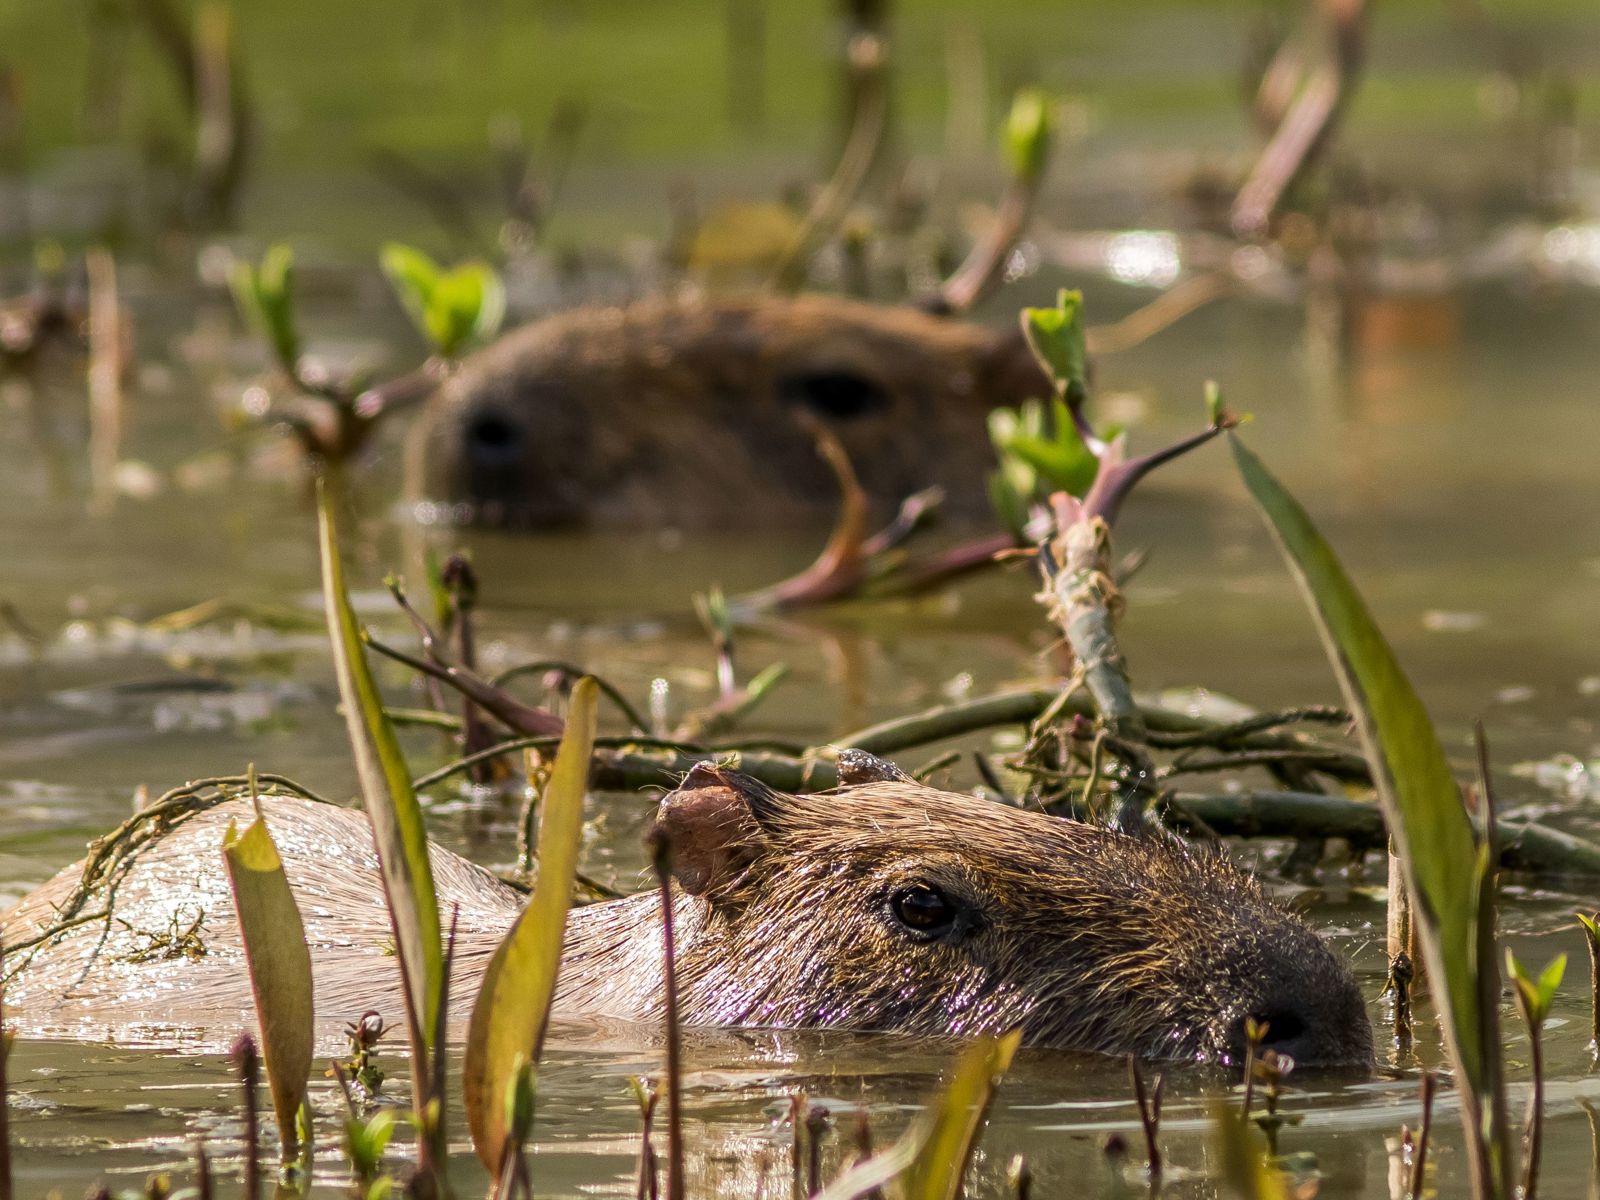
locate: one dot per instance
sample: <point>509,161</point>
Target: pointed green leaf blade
<point>1027,136</point>
<point>280,969</point>
<point>386,792</point>
<point>1056,337</point>
<point>1241,1154</point>
<point>953,1124</point>
<point>1421,801</point>
<point>512,1010</point>
<point>414,277</point>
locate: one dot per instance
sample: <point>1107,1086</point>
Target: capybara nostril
<point>493,440</point>
<point>1286,1030</point>
<point>1325,1030</point>
<point>837,395</point>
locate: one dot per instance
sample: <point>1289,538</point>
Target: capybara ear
<point>857,766</point>
<point>713,824</point>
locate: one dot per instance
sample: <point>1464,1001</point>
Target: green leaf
<point>1550,979</point>
<point>280,969</point>
<point>386,792</point>
<point>1591,925</point>
<point>512,1010</point>
<point>1214,405</point>
<point>1028,134</point>
<point>365,1141</point>
<point>467,306</point>
<point>450,308</point>
<point>1056,337</point>
<point>930,1159</point>
<point>264,296</point>
<point>1241,1154</point>
<point>412,274</point>
<point>1537,994</point>
<point>1009,504</point>
<point>1041,460</point>
<point>953,1123</point>
<point>1421,801</point>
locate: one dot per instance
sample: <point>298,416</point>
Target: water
<point>1457,480</point>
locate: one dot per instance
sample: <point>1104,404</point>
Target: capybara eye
<point>923,909</point>
<point>837,395</point>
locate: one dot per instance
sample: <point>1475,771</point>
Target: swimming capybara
<point>695,412</point>
<point>881,905</point>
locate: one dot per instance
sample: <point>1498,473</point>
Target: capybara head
<point>888,905</point>
<point>703,412</point>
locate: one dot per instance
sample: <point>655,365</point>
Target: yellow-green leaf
<point>1057,339</point>
<point>450,308</point>
<point>1241,1155</point>
<point>386,792</point>
<point>265,299</point>
<point>513,1005</point>
<point>1028,134</point>
<point>929,1160</point>
<point>412,274</point>
<point>953,1123</point>
<point>280,969</point>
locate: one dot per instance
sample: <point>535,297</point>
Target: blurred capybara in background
<point>693,412</point>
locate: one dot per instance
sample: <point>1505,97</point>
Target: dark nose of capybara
<point>1331,1030</point>
<point>493,441</point>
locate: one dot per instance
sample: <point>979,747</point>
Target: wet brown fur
<point>1087,939</point>
<point>685,411</point>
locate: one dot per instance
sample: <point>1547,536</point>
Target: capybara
<point>699,412</point>
<point>882,905</point>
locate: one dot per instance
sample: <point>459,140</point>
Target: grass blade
<point>953,1124</point>
<point>1241,1156</point>
<point>930,1159</point>
<point>390,802</point>
<point>1422,806</point>
<point>280,969</point>
<point>513,1006</point>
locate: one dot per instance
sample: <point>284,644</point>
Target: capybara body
<point>699,412</point>
<point>879,906</point>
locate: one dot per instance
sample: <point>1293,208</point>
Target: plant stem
<point>660,846</point>
<point>248,1064</point>
<point>6,1192</point>
<point>1149,1118</point>
<point>1534,1138</point>
<point>1419,1161</point>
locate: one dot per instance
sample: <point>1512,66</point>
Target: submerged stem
<point>660,846</point>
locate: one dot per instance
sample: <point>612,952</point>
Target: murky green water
<point>1457,480</point>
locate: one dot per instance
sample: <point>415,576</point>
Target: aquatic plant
<point>451,308</point>
<point>930,1159</point>
<point>1533,995</point>
<point>512,1009</point>
<point>280,968</point>
<point>332,415</point>
<point>1451,881</point>
<point>397,827</point>
<point>1026,140</point>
